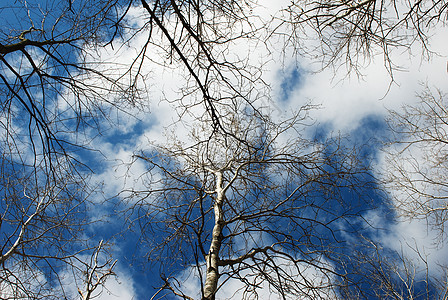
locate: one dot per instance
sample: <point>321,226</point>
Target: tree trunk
<point>211,281</point>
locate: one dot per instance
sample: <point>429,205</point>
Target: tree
<point>388,274</point>
<point>41,235</point>
<point>49,83</point>
<point>47,99</point>
<point>413,175</point>
<point>54,89</point>
<point>417,159</point>
<point>353,31</point>
<point>263,206</point>
<point>350,33</point>
<point>196,37</point>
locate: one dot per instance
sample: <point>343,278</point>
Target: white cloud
<point>414,241</point>
<point>346,100</point>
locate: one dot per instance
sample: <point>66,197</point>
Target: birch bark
<point>212,258</point>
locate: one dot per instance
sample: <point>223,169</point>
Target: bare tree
<point>57,76</point>
<point>252,199</point>
<point>197,37</point>
<point>44,68</point>
<point>416,166</point>
<point>414,177</point>
<point>53,88</point>
<point>48,96</point>
<point>387,274</point>
<point>41,233</point>
<point>349,33</point>
<point>264,208</point>
<point>96,272</point>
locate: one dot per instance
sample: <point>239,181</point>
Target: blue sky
<point>355,107</point>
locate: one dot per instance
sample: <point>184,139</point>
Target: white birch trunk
<point>212,275</point>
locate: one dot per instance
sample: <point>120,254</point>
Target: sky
<point>356,106</point>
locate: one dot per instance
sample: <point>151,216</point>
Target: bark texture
<point>212,276</point>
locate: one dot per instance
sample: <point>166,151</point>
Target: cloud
<point>346,100</point>
<point>414,241</point>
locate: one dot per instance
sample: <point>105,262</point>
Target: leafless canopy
<point>350,32</point>
<point>46,78</point>
<point>261,209</point>
<point>417,159</point>
<point>196,36</point>
<point>45,100</point>
<point>246,197</point>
